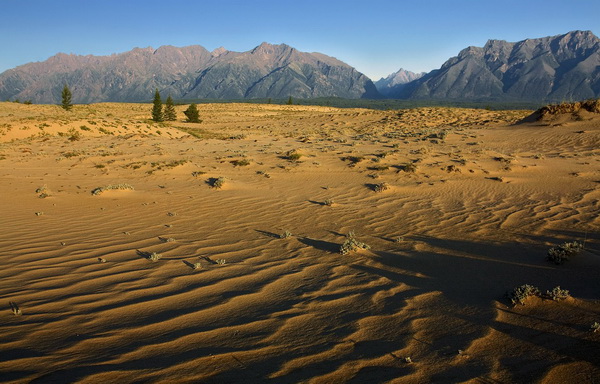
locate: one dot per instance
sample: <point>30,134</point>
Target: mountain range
<point>563,67</point>
<point>556,68</point>
<point>192,72</point>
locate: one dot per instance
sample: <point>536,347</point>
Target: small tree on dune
<point>157,112</point>
<point>192,113</point>
<point>169,113</point>
<point>66,98</point>
<point>290,102</point>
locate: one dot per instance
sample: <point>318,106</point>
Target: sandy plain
<point>471,204</point>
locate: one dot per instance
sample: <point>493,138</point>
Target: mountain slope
<point>190,72</point>
<point>563,67</point>
<point>400,77</point>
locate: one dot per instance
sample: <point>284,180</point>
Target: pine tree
<point>169,113</point>
<point>157,112</point>
<point>66,98</point>
<point>290,102</point>
<point>192,113</point>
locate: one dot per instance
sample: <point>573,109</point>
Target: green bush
<point>352,244</point>
<point>561,253</point>
<point>521,293</point>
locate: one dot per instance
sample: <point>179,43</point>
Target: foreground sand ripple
<point>424,304</point>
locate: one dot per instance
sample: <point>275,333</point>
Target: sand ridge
<point>470,206</point>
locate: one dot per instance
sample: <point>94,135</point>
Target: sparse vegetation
<point>353,160</point>
<point>563,252</point>
<point>43,192</point>
<point>409,167</point>
<point>285,235</point>
<point>14,307</point>
<point>216,182</point>
<point>380,187</point>
<point>152,256</point>
<point>521,293</point>
<point>595,327</point>
<point>351,244</point>
<point>122,186</point>
<point>557,294</point>
<point>240,163</point>
<point>293,155</point>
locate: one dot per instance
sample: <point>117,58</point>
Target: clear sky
<point>377,37</point>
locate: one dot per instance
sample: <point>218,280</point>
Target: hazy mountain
<point>402,76</point>
<point>276,71</point>
<point>564,67</point>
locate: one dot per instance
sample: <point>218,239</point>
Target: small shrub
<point>353,160</point>
<point>328,202</point>
<point>561,253</point>
<point>240,163</point>
<point>381,187</point>
<point>154,256</point>
<point>557,294</point>
<point>216,182</point>
<point>39,213</point>
<point>101,260</point>
<point>595,327</point>
<point>221,261</point>
<point>285,235</point>
<point>197,265</point>
<point>43,192</point>
<point>521,293</point>
<point>379,168</point>
<point>15,308</point>
<point>85,128</point>
<point>409,167</point>
<point>352,244</point>
<point>293,155</point>
<point>122,186</point>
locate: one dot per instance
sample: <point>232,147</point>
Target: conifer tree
<point>290,102</point>
<point>66,98</point>
<point>169,113</point>
<point>157,112</point>
<point>192,113</point>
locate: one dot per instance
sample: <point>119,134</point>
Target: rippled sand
<point>424,304</point>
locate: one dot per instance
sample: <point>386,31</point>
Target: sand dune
<point>471,204</point>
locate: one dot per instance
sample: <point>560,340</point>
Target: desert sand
<point>457,206</point>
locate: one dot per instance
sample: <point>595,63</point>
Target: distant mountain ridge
<point>400,77</point>
<point>276,71</point>
<point>556,68</point>
<point>548,69</point>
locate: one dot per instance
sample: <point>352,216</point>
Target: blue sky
<point>377,37</point>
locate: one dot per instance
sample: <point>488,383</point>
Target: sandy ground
<point>470,205</point>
